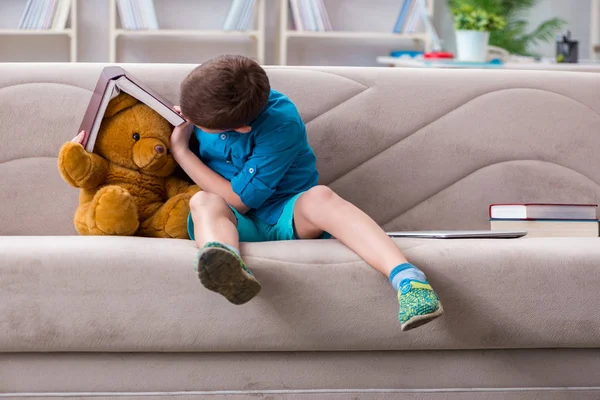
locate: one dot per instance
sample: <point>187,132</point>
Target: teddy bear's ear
<point>120,103</point>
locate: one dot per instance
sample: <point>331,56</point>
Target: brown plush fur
<point>126,184</point>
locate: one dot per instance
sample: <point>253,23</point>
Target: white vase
<point>472,45</point>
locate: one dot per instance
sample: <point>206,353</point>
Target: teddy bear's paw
<point>74,163</point>
<point>114,212</point>
<point>176,224</point>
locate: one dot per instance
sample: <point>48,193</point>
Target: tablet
<point>460,234</point>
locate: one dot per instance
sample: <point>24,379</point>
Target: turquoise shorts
<point>251,229</point>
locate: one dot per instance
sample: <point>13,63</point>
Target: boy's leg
<point>219,265</point>
<point>320,209</point>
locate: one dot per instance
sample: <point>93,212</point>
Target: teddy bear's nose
<point>159,149</point>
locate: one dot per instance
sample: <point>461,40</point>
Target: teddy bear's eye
<point>136,136</point>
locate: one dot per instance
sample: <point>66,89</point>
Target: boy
<point>259,180</point>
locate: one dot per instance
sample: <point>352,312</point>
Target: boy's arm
<point>203,176</point>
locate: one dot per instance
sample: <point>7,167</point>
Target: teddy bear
<point>128,186</point>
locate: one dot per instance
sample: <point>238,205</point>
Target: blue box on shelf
<point>406,53</point>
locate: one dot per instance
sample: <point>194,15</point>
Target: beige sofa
<point>124,317</point>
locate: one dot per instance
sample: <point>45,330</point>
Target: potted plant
<point>515,37</point>
<point>473,26</point>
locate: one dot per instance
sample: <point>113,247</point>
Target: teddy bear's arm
<point>79,168</point>
<point>175,186</point>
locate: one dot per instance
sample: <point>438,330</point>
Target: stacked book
<point>45,14</point>
<point>310,15</point>
<point>411,16</point>
<point>137,14</point>
<point>546,220</point>
<point>239,17</point>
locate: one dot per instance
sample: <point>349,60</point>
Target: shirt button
<point>223,136</point>
<point>251,170</point>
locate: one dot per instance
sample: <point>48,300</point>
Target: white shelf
<point>25,32</point>
<point>355,35</point>
<point>70,32</point>
<point>208,34</point>
<point>286,34</point>
<point>257,34</point>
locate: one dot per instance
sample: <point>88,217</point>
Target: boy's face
<point>242,129</point>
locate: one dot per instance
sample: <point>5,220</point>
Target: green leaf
<point>546,31</point>
<point>510,31</point>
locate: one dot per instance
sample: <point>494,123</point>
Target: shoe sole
<point>220,271</point>
<point>419,320</point>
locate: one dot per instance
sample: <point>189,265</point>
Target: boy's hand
<point>180,138</point>
<point>80,138</point>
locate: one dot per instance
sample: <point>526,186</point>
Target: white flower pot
<point>472,45</point>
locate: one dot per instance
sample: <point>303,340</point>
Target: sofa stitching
<point>426,125</point>
<point>46,83</point>
<point>336,106</point>
<point>327,73</point>
<point>477,170</point>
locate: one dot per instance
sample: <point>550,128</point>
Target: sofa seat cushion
<point>129,294</point>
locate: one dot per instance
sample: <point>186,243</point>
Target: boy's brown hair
<point>224,93</point>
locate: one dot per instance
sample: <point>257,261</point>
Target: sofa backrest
<point>416,149</point>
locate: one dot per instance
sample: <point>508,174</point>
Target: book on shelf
<point>240,14</point>
<point>530,211</point>
<point>412,16</point>
<point>112,81</point>
<point>137,14</point>
<point>45,14</point>
<point>309,15</point>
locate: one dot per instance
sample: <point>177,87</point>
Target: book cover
<point>298,23</point>
<point>112,80</point>
<point>150,14</point>
<point>25,14</point>
<point>62,14</point>
<point>233,15</point>
<point>324,15</point>
<point>316,13</point>
<point>244,22</point>
<point>402,16</point>
<point>37,12</point>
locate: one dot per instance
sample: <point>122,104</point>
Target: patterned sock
<point>223,246</point>
<point>405,271</point>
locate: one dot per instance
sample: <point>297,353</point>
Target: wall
<point>376,15</point>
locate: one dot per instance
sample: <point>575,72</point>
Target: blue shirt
<point>267,166</point>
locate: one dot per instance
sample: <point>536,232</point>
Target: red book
<point>533,211</point>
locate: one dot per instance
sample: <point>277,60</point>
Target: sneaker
<point>221,270</point>
<point>419,304</point>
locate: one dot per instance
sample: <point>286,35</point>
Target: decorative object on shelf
<point>473,26</point>
<point>239,17</point>
<point>45,14</point>
<point>567,50</point>
<point>515,38</point>
<point>137,14</point>
<point>310,15</point>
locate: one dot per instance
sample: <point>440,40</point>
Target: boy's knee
<point>321,194</point>
<point>206,202</point>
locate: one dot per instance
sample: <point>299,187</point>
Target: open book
<point>112,81</point>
